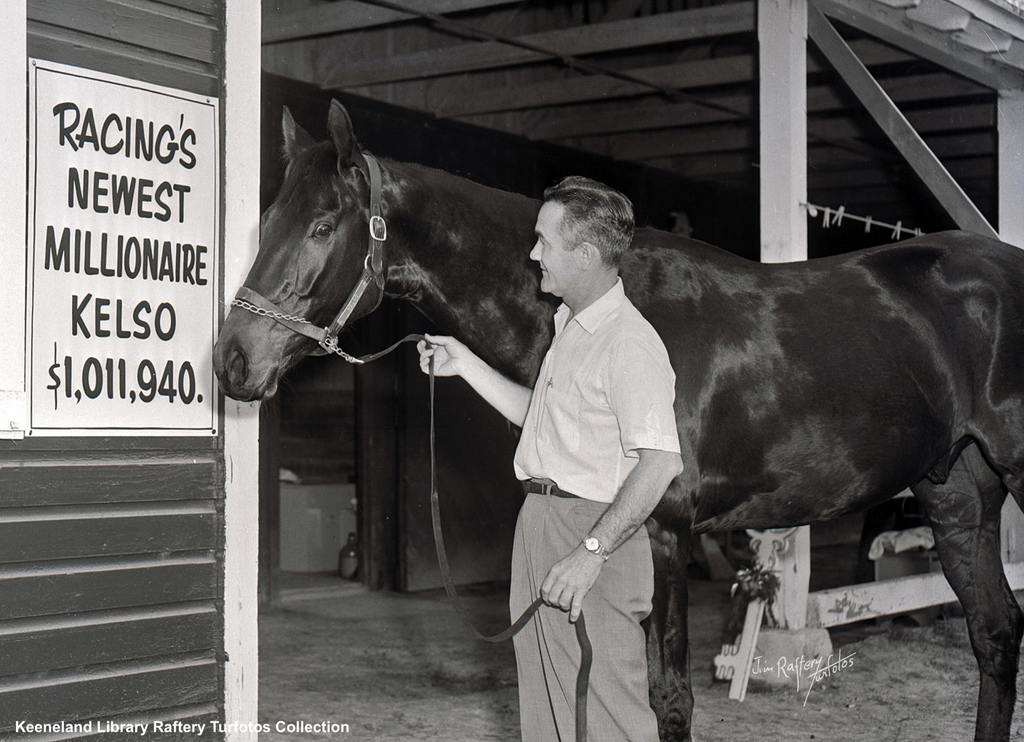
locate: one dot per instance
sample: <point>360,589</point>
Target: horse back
<point>853,376</point>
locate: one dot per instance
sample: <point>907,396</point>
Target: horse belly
<point>818,455</point>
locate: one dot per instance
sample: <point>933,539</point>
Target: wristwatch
<point>591,544</point>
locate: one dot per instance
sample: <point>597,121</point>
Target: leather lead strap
<point>586,650</point>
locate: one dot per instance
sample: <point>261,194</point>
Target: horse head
<point>314,242</point>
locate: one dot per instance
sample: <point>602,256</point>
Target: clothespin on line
<point>834,217</point>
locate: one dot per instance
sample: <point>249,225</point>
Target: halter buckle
<point>378,228</point>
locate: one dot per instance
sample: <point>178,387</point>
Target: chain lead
<point>250,307</point>
<point>330,344</point>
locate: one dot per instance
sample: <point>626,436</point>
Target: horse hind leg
<point>964,516</point>
<point>668,658</point>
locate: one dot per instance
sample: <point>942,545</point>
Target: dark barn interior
<point>657,98</point>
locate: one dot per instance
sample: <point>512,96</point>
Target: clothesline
<point>833,217</point>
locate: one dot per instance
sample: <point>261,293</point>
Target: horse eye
<point>323,230</point>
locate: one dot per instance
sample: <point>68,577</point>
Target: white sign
<point>123,255</point>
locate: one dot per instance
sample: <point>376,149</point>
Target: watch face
<point>591,544</point>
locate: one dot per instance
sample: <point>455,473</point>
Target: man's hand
<point>570,579</point>
<point>450,355</point>
<point>453,358</point>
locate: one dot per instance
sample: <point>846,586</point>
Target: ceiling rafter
<point>620,92</point>
<point>820,159</point>
<point>696,74</point>
<point>604,36</point>
<point>968,168</point>
<point>337,17</point>
<point>577,89</point>
<point>942,48</point>
<point>724,138</point>
<point>820,99</point>
<point>994,14</point>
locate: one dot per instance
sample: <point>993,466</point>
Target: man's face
<point>559,268</point>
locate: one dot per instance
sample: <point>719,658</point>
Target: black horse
<point>805,390</point>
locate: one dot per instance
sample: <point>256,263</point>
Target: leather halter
<point>373,273</point>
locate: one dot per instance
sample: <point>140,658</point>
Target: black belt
<point>546,487</point>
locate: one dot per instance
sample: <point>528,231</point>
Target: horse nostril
<point>237,367</point>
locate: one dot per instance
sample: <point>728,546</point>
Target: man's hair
<point>594,213</point>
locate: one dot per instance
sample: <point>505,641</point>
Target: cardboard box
<point>315,522</point>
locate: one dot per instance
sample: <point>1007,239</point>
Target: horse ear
<point>340,127</point>
<point>296,138</point>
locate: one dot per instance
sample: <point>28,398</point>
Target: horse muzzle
<point>237,378</point>
<point>244,358</point>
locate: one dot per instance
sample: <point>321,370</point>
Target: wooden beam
<point>1010,128</point>
<point>820,99</point>
<point>782,60</point>
<point>648,145</point>
<point>709,167</point>
<point>631,33</point>
<point>622,9</point>
<point>939,14</point>
<point>684,75</point>
<point>994,14</point>
<point>966,169</point>
<point>891,25</point>
<point>240,421</point>
<point>688,75</point>
<point>336,17</point>
<point>782,148</point>
<point>886,194</point>
<point>845,605</point>
<point>984,38</point>
<point>821,159</point>
<point>14,162</point>
<point>896,126</point>
<point>652,145</point>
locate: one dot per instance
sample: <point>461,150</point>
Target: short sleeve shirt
<point>605,390</point>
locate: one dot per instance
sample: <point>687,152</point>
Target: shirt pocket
<point>562,418</point>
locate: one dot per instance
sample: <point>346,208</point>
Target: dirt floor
<point>404,667</point>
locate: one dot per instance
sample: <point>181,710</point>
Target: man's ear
<point>586,255</point>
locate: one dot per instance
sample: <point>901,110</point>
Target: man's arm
<point>453,358</point>
<point>571,578</point>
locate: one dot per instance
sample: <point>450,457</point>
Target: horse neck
<point>460,253</point>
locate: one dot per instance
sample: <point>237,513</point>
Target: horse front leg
<point>668,656</point>
<point>964,515</point>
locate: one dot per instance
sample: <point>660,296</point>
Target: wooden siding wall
<point>111,549</point>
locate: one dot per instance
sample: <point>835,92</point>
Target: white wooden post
<point>782,44</point>
<point>241,111</point>
<point>1010,128</point>
<point>782,62</point>
<point>13,130</point>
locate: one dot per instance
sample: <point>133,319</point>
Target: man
<point>598,449</point>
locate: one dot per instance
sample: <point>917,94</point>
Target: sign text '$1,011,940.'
<point>109,377</point>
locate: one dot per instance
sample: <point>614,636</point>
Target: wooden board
<point>39,481</point>
<point>41,533</point>
<point>843,605</point>
<point>109,690</point>
<point>138,23</point>
<point>105,584</point>
<point>104,637</point>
